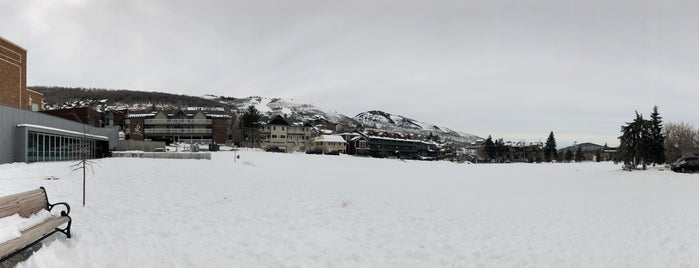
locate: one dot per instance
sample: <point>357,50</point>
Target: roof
<point>278,120</point>
<point>140,115</point>
<point>218,115</point>
<point>330,138</point>
<point>13,43</point>
<point>58,130</point>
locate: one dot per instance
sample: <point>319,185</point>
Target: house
<point>357,144</point>
<point>284,134</point>
<point>329,143</point>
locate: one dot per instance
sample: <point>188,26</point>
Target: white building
<point>329,143</point>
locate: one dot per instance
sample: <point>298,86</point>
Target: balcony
<point>177,131</point>
<point>178,121</point>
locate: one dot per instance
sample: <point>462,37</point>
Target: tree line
<point>59,95</point>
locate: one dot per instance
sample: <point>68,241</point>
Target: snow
<point>12,226</point>
<point>298,210</point>
<point>58,130</point>
<point>330,138</point>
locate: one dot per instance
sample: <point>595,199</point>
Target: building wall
<point>291,138</point>
<point>11,145</point>
<point>219,130</point>
<point>34,101</point>
<point>13,69</point>
<point>330,146</point>
<point>136,128</point>
<point>83,115</point>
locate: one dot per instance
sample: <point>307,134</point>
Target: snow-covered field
<point>297,210</point>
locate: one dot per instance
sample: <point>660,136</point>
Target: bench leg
<point>66,230</point>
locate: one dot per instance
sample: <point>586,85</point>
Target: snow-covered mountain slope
<point>398,123</point>
<point>300,111</point>
<point>105,100</point>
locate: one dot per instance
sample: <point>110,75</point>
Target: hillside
<point>587,146</point>
<point>398,123</point>
<point>106,99</point>
<point>65,97</point>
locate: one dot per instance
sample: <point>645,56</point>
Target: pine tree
<point>569,155</point>
<point>550,152</point>
<point>657,143</point>
<point>250,122</point>
<point>501,150</point>
<point>489,148</point>
<point>635,142</point>
<point>579,157</point>
<point>598,155</point>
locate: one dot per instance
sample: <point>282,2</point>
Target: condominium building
<point>197,127</point>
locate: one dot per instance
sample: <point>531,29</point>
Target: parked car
<point>333,153</point>
<point>159,150</point>
<point>315,151</point>
<point>274,149</point>
<point>687,164</point>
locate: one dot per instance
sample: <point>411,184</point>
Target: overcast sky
<point>511,68</point>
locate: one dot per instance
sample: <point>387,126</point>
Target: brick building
<point>13,78</point>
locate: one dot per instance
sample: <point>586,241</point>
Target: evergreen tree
<point>489,148</point>
<point>251,117</point>
<point>598,155</point>
<point>568,155</point>
<point>501,151</point>
<point>250,123</point>
<point>635,142</point>
<point>657,143</point>
<point>550,152</point>
<point>579,157</point>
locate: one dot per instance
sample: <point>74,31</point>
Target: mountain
<point>397,123</point>
<point>144,101</point>
<point>586,146</point>
<point>290,109</point>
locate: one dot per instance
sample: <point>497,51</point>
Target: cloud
<point>508,68</point>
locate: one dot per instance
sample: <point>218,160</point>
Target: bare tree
<point>85,162</point>
<point>680,139</point>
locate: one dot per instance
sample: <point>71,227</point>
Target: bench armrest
<point>64,212</point>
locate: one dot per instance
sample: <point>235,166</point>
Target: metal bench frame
<point>64,213</point>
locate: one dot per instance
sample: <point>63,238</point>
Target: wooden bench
<point>25,204</point>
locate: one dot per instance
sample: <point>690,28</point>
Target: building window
<point>274,136</point>
<point>283,136</point>
<point>43,147</point>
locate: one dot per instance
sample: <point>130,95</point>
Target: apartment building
<point>196,127</point>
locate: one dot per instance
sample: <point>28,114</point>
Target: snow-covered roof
<point>219,115</point>
<point>58,130</point>
<point>140,115</point>
<point>330,138</point>
<point>394,139</point>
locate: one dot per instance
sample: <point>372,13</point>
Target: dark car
<point>333,153</point>
<point>315,151</point>
<point>275,149</point>
<point>687,164</point>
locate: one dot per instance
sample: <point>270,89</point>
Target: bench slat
<point>24,204</point>
<point>32,234</point>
